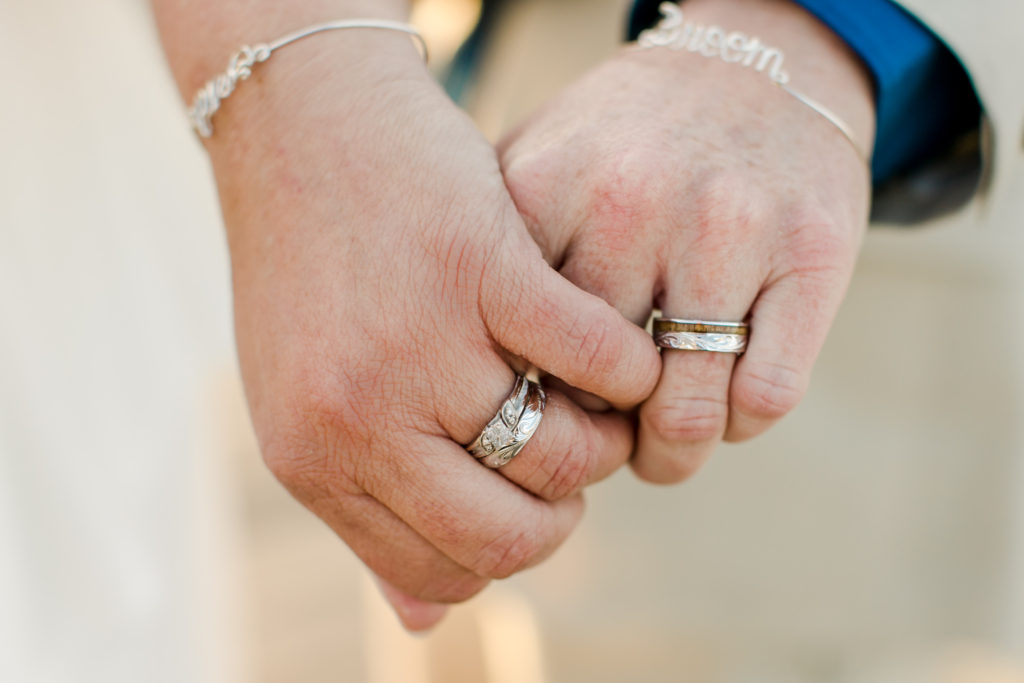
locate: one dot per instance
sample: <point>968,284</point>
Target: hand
<point>667,179</point>
<point>384,284</point>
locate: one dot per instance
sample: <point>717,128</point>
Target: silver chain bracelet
<point>734,47</point>
<point>208,99</point>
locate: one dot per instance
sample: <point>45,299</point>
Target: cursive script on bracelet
<point>735,47</point>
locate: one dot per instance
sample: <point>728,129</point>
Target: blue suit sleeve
<point>923,95</point>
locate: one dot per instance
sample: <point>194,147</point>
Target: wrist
<point>316,119</point>
<point>819,65</point>
<point>212,49</point>
<point>199,36</point>
<point>332,72</point>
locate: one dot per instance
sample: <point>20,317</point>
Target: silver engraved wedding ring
<point>509,431</point>
<point>700,335</point>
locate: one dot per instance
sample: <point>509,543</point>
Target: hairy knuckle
<point>689,420</point>
<point>768,391</point>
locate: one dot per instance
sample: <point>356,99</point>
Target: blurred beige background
<point>877,535</point>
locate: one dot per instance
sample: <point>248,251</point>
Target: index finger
<point>536,314</point>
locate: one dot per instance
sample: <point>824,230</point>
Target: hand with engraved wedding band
<point>385,288</point>
<point>680,176</point>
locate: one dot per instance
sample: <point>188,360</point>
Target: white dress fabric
<point>114,324</point>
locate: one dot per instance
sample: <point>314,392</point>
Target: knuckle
<point>689,420</point>
<point>718,192</point>
<point>619,198</point>
<point>819,242</point>
<point>511,552</point>
<point>303,460</point>
<point>571,472</point>
<point>721,198</point>
<point>291,462</point>
<point>316,435</point>
<point>527,179</point>
<point>768,391</point>
<point>719,223</point>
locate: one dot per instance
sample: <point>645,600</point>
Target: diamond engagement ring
<point>700,335</point>
<point>509,431</point>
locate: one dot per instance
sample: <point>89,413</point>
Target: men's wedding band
<point>700,335</point>
<point>515,423</point>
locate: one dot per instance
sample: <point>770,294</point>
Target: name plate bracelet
<point>209,98</point>
<point>673,32</point>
